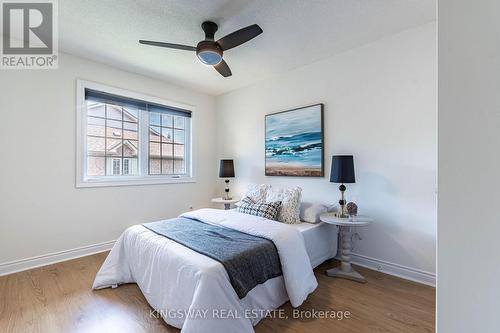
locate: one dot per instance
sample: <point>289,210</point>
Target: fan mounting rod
<point>210,29</point>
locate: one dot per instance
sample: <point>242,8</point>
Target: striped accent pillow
<point>268,210</point>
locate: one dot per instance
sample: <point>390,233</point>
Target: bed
<point>320,241</point>
<point>192,291</point>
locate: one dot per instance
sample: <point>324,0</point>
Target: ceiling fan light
<point>209,52</point>
<point>209,57</point>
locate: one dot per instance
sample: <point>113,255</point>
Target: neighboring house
<point>112,143</point>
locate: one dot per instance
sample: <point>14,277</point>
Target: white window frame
<point>144,178</point>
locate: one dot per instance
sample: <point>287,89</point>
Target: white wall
<point>468,293</point>
<point>380,106</point>
<point>41,211</point>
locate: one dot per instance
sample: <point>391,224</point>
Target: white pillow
<point>290,203</point>
<point>257,192</point>
<point>310,212</point>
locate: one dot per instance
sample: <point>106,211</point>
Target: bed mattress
<point>320,240</point>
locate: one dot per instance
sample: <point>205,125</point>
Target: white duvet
<point>192,291</point>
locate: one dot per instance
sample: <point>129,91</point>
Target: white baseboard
<point>52,258</point>
<point>390,268</point>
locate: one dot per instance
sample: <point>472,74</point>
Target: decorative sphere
<point>352,209</point>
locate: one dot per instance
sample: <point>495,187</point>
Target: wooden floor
<point>58,298</point>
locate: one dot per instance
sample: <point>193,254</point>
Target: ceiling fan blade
<point>169,45</point>
<point>239,37</point>
<point>223,68</point>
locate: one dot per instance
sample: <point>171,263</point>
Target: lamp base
<point>226,191</point>
<point>342,201</point>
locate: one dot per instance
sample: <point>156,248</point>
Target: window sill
<point>136,181</point>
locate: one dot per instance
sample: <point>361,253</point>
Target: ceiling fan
<point>210,51</point>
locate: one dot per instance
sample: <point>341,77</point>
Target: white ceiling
<point>296,33</point>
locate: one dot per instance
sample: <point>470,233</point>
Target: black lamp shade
<point>226,169</point>
<point>342,169</point>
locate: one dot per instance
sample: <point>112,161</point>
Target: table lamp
<point>226,170</point>
<point>342,173</point>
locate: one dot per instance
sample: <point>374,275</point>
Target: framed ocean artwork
<point>294,142</point>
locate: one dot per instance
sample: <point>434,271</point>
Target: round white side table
<point>227,202</point>
<point>345,227</point>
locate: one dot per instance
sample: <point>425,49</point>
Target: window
<point>126,166</point>
<point>116,166</point>
<point>112,131</point>
<point>126,138</point>
<point>166,144</point>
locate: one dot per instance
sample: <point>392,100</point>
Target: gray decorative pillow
<point>290,203</point>
<point>257,192</point>
<point>268,210</point>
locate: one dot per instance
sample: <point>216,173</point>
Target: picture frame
<point>294,142</point>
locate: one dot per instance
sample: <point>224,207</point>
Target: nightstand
<point>345,226</point>
<point>227,203</point>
